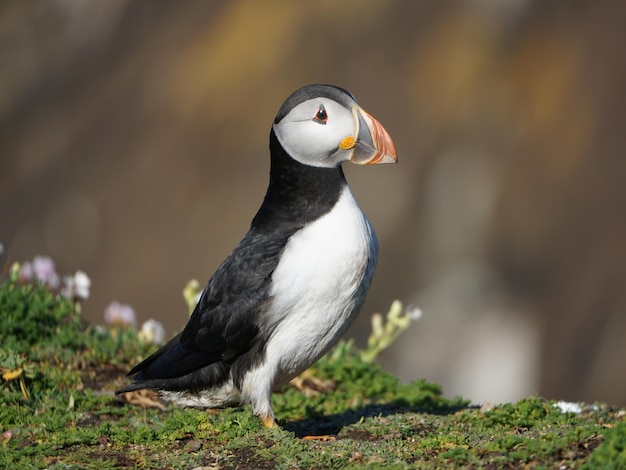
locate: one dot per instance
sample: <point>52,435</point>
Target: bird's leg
<point>257,390</point>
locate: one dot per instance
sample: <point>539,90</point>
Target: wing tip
<point>130,388</point>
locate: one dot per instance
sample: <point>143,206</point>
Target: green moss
<point>612,452</point>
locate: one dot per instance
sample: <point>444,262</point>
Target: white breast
<point>319,285</point>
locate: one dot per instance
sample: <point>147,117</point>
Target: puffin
<point>298,278</point>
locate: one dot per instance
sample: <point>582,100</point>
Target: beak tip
<point>387,158</point>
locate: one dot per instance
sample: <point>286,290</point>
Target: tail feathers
<point>208,377</point>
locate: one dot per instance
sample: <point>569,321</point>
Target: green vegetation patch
<point>58,410</point>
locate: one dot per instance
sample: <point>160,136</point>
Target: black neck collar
<point>297,193</point>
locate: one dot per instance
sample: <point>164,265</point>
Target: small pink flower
<point>6,436</point>
<point>45,271</point>
<point>26,273</point>
<point>117,314</point>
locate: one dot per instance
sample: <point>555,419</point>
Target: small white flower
<point>117,314</point>
<point>568,407</point>
<point>101,330</point>
<point>152,331</point>
<point>82,284</point>
<point>413,312</point>
<point>76,286</point>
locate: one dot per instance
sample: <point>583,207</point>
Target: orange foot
<point>319,438</point>
<point>268,421</point>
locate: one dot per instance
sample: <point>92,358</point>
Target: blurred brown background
<point>133,146</point>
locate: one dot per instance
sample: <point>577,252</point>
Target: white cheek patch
<point>308,141</point>
<point>311,142</point>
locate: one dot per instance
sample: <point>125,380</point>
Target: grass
<point>58,411</point>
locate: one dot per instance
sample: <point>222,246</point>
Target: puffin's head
<point>323,126</point>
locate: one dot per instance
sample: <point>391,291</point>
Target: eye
<point>321,117</point>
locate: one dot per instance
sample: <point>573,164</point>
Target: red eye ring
<point>321,116</point>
